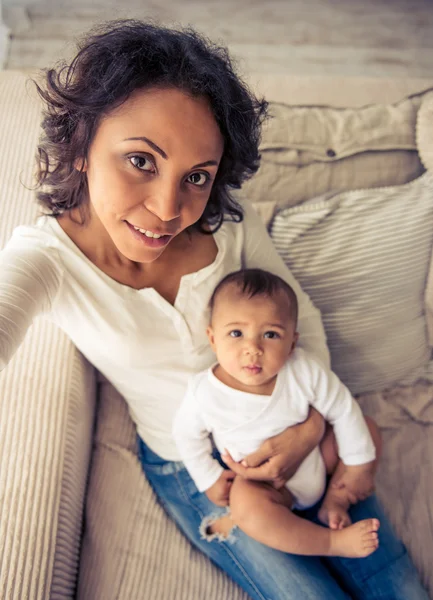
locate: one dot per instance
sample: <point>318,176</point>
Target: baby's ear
<point>295,341</point>
<point>211,337</point>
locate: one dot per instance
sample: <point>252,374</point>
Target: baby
<point>260,386</point>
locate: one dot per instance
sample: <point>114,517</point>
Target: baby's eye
<point>235,333</point>
<point>198,179</point>
<point>142,163</point>
<point>271,335</point>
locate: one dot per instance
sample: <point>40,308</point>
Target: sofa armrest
<point>47,407</point>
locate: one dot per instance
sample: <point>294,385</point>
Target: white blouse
<point>143,345</point>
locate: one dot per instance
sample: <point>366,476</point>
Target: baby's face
<point>252,338</point>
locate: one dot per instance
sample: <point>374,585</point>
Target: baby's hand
<point>219,492</point>
<point>357,479</point>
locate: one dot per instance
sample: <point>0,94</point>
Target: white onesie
<point>241,421</point>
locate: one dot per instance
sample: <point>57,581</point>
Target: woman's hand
<point>279,457</point>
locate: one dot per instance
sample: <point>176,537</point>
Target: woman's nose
<point>164,202</point>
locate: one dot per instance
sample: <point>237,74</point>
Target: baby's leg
<point>336,503</point>
<point>264,514</point>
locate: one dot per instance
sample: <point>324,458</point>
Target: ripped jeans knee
<point>218,526</point>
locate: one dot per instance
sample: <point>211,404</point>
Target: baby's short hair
<point>257,282</point>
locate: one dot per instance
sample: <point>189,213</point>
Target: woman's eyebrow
<point>208,163</point>
<point>151,144</point>
<point>142,138</point>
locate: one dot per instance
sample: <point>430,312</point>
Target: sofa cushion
<point>309,150</point>
<point>47,402</point>
<point>131,549</point>
<point>363,257</point>
<point>424,131</point>
<point>404,481</point>
<point>338,91</point>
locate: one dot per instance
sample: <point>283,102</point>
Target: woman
<point>145,134</point>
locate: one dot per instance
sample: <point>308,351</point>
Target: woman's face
<point>150,170</point>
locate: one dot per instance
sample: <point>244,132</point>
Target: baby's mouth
<point>253,369</point>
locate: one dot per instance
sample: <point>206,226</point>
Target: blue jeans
<point>268,574</point>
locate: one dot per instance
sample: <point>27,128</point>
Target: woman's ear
<point>80,164</point>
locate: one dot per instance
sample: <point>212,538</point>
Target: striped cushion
<point>363,256</point>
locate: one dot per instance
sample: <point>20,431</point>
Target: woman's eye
<point>198,179</point>
<point>271,335</point>
<point>141,162</point>
<point>235,333</point>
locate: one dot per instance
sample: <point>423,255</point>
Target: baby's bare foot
<point>335,516</point>
<point>333,511</point>
<point>357,540</point>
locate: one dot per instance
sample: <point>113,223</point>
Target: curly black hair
<point>114,60</point>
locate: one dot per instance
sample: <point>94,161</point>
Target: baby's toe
<point>371,525</point>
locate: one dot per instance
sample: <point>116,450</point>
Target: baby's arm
<point>354,441</point>
<point>193,442</point>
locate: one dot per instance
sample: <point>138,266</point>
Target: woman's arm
<point>29,283</point>
<point>279,457</point>
<point>259,252</point>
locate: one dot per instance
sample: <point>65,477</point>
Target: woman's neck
<point>187,253</point>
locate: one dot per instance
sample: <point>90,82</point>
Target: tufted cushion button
<point>331,153</point>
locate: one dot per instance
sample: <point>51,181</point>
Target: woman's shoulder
<point>232,230</point>
<point>43,246</point>
<point>42,234</point>
<point>251,229</point>
<point>30,261</point>
<point>304,359</point>
<point>38,239</point>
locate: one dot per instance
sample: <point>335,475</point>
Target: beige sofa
<point>78,518</point>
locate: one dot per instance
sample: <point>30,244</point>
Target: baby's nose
<point>253,348</point>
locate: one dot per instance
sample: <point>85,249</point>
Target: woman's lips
<point>150,242</point>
